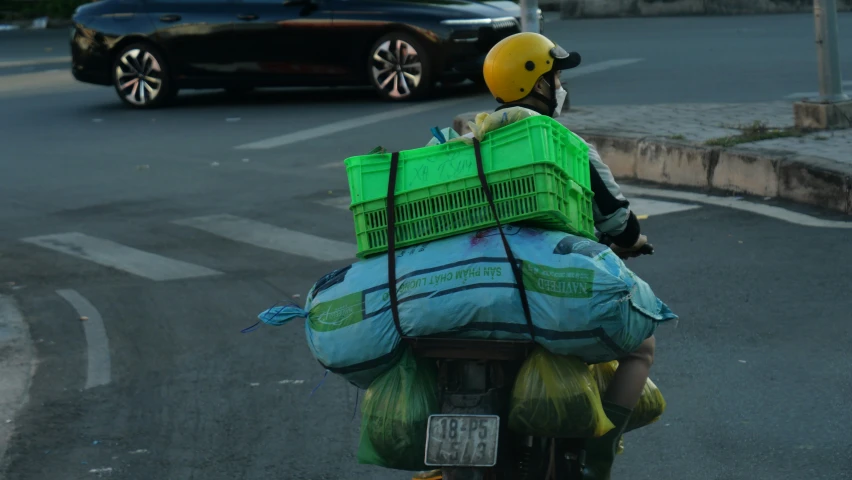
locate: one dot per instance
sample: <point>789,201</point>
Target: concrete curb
<point>807,180</point>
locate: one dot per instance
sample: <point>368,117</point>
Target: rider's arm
<point>612,213</point>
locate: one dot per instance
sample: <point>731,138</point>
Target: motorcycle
<point>469,439</point>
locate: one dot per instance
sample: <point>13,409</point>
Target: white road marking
<point>32,62</point>
<point>599,67</point>
<point>337,202</point>
<point>99,371</point>
<point>728,202</point>
<point>118,256</point>
<point>17,363</point>
<point>800,95</point>
<point>349,124</point>
<point>644,206</point>
<point>338,164</point>
<point>271,237</point>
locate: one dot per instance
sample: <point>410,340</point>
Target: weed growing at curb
<point>677,137</point>
<point>756,132</point>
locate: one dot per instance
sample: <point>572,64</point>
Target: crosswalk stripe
<point>271,237</point>
<point>337,202</point>
<point>338,164</point>
<point>121,257</point>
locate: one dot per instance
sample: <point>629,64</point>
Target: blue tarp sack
<point>583,300</point>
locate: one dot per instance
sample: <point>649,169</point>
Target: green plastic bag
<point>395,412</point>
<point>651,404</point>
<point>557,396</point>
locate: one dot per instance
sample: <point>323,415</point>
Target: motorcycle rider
<point>523,71</point>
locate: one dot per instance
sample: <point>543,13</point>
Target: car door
<point>197,35</point>
<point>357,24</point>
<point>284,42</point>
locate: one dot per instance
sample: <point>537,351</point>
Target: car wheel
<point>400,67</point>
<point>141,77</point>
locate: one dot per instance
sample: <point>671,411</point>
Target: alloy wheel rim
<point>397,69</point>
<point>139,76</point>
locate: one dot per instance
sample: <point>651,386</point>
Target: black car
<point>149,49</point>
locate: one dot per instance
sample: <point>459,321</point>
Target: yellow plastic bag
<point>486,122</point>
<point>395,412</point>
<point>557,396</point>
<point>651,404</point>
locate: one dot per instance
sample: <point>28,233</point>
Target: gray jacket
<point>611,209</point>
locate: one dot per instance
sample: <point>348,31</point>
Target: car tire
<point>400,79</point>
<point>141,77</point>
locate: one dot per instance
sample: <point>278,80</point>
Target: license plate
<point>462,440</point>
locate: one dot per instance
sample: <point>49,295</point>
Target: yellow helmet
<point>515,64</point>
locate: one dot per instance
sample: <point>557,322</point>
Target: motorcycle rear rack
<point>470,349</point>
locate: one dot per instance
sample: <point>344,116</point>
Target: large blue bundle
<point>583,300</point>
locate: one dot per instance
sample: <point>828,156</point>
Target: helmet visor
<point>563,60</point>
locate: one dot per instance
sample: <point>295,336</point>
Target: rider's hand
<point>634,251</point>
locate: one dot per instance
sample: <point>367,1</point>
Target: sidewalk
<point>737,148</point>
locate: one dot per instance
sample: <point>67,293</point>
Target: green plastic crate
<point>538,194</point>
<point>538,172</point>
<point>538,139</point>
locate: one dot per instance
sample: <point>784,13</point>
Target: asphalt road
<point>755,375</point>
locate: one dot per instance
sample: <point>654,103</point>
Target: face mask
<point>561,95</point>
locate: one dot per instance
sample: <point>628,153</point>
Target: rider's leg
<point>630,377</point>
<point>621,397</point>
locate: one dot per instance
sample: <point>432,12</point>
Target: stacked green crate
<point>537,169</point>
